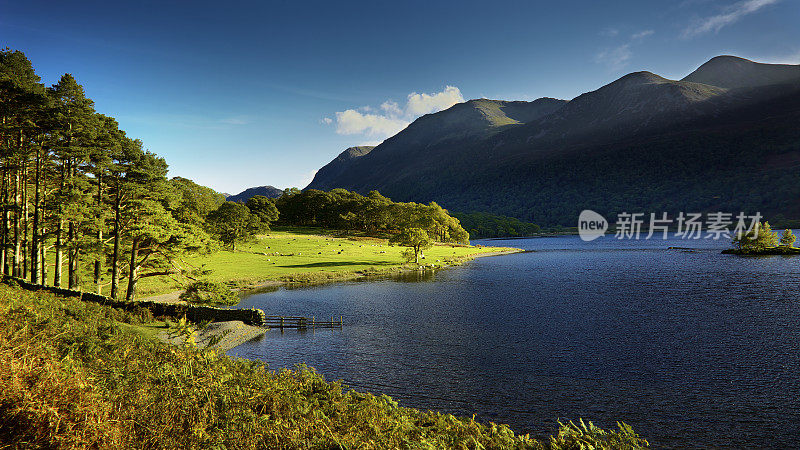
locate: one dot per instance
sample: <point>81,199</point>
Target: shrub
<point>210,292</point>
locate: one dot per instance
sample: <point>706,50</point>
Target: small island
<point>762,241</point>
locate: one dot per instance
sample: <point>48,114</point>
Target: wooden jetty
<point>300,322</point>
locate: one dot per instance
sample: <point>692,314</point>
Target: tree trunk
<point>37,174</point>
<point>74,281</point>
<point>133,272</point>
<point>72,260</point>
<point>100,250</point>
<point>115,255</point>
<point>43,263</point>
<point>17,235</point>
<point>6,218</point>
<point>59,235</point>
<point>59,253</point>
<point>25,220</point>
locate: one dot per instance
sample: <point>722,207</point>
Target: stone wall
<point>192,312</point>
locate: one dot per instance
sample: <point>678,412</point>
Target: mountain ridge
<point>482,155</point>
<point>247,194</point>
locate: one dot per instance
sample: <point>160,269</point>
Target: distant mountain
<point>334,169</point>
<point>432,133</point>
<point>266,191</point>
<point>731,72</point>
<point>725,138</point>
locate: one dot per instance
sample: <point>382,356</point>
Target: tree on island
<point>233,222</point>
<point>760,238</point>
<point>787,238</point>
<point>416,239</point>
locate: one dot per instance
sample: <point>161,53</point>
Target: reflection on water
<point>691,348</point>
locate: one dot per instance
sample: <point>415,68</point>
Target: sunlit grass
<point>302,255</point>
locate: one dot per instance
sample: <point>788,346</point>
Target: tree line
<point>75,189</point>
<point>344,210</point>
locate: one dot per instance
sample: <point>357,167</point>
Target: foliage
<point>582,436</point>
<point>373,213</point>
<point>759,238</point>
<point>233,222</point>
<point>194,201</point>
<point>75,189</point>
<point>209,292</point>
<point>74,375</point>
<point>787,238</point>
<point>264,208</point>
<point>485,225</point>
<point>416,239</point>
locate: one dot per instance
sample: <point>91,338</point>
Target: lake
<point>691,348</point>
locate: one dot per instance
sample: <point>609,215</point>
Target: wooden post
<point>281,322</point>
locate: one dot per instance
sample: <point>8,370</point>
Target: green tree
<point>75,122</point>
<point>156,239</point>
<point>233,222</point>
<point>194,201</point>
<point>788,238</point>
<point>264,208</point>
<point>760,238</point>
<point>416,239</point>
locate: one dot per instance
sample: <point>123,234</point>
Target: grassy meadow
<point>307,255</point>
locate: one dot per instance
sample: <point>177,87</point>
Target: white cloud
<point>354,122</point>
<point>391,108</point>
<point>609,32</point>
<point>614,58</point>
<point>419,104</point>
<point>392,117</point>
<point>326,120</point>
<point>728,16</point>
<point>237,120</point>
<point>642,34</point>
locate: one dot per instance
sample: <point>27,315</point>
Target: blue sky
<point>238,94</point>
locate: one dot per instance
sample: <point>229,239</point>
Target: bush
<point>209,293</point>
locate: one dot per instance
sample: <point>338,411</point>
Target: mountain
<point>266,191</point>
<point>433,133</point>
<point>642,143</point>
<point>731,72</point>
<point>334,169</point>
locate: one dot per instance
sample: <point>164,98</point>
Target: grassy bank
<point>310,255</point>
<point>76,375</point>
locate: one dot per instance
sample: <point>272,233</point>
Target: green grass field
<point>302,256</point>
<point>305,255</point>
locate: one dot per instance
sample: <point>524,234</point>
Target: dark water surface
<point>692,348</point>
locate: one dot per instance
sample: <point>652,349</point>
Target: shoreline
<point>219,336</point>
<point>173,297</point>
